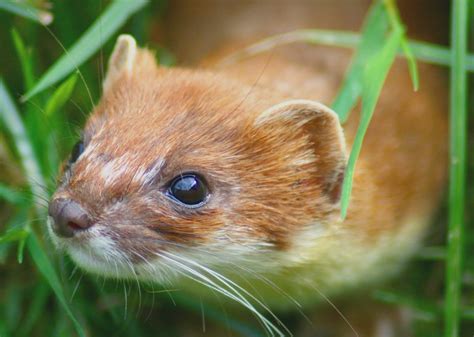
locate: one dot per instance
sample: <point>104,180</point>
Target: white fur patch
<point>112,171</point>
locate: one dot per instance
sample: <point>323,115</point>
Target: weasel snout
<point>69,217</point>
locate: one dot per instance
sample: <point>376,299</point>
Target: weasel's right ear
<point>122,59</point>
<point>321,126</point>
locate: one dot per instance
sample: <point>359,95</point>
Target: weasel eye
<point>189,189</point>
<point>76,151</point>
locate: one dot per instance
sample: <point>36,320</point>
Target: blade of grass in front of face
<point>27,11</point>
<point>373,80</point>
<point>46,268</point>
<point>457,175</point>
<point>396,22</point>
<point>105,26</point>
<point>372,38</point>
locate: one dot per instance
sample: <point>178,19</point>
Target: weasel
<point>211,175</point>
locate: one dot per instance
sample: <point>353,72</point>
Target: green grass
<point>457,177</point>
<point>38,295</point>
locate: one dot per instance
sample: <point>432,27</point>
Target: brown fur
<point>191,128</point>
<point>190,119</point>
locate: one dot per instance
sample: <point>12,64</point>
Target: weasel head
<point>180,166</point>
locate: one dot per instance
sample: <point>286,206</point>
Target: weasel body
<point>237,170</point>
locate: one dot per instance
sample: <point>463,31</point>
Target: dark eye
<point>76,151</point>
<point>189,189</point>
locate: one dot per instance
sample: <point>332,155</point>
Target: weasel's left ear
<point>122,59</point>
<point>325,133</point>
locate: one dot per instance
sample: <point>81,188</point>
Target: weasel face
<point>176,164</point>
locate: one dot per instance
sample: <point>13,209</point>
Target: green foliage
<point>46,268</point>
<point>372,81</point>
<point>95,37</point>
<point>373,36</point>
<point>457,176</point>
<point>60,97</point>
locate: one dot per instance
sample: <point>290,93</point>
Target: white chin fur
<point>98,254</point>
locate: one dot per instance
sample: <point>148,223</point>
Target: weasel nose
<point>69,217</point>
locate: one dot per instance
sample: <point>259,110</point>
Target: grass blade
<point>422,51</point>
<point>60,96</point>
<point>457,175</point>
<point>26,11</point>
<point>11,195</point>
<point>94,38</point>
<point>396,22</point>
<point>11,119</point>
<point>412,67</point>
<point>14,234</point>
<point>25,59</point>
<point>21,250</point>
<point>373,35</point>
<point>49,273</point>
<point>374,78</point>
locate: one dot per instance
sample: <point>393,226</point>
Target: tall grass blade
<point>10,117</point>
<point>49,273</point>
<point>373,35</point>
<point>396,22</point>
<point>94,38</point>
<point>457,175</point>
<point>60,96</point>
<point>27,11</point>
<point>25,59</point>
<point>422,51</point>
<point>373,80</point>
<point>14,124</point>
<point>21,250</point>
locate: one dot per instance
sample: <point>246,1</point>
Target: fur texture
<point>274,168</point>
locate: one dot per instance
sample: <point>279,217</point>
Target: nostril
<point>74,226</point>
<point>69,217</point>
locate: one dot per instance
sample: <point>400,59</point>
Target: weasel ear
<point>121,60</point>
<point>325,133</point>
